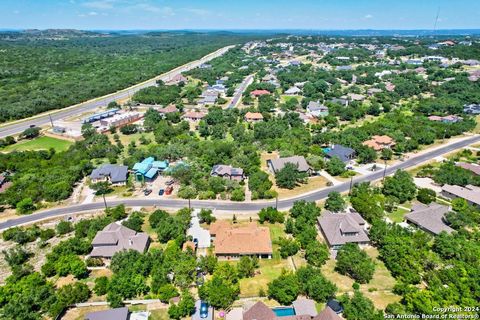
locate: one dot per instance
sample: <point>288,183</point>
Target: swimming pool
<point>327,149</point>
<point>284,311</point>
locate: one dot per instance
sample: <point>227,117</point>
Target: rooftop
<point>279,163</point>
<point>115,172</point>
<point>246,240</point>
<point>115,237</point>
<point>342,228</point>
<point>430,218</point>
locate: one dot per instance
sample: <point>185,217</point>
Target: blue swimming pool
<point>326,149</point>
<point>284,311</point>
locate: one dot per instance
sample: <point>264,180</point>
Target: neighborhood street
<point>239,207</point>
<point>42,120</point>
<point>239,92</point>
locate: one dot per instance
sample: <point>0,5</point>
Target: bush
<point>238,195</point>
<point>206,216</point>
<point>64,227</point>
<point>271,215</point>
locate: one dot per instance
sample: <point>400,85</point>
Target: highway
<point>17,127</point>
<point>239,207</point>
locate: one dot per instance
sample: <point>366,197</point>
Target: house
<point>390,87</point>
<point>111,314</point>
<point>293,91</point>
<point>340,101</point>
<point>305,307</point>
<point>378,143</point>
<point>218,225</point>
<point>471,109</point>
<point>295,63</point>
<point>115,238</point>
<point>227,172</point>
<point>149,168</point>
<point>251,240</point>
<point>278,164</point>
<point>208,100</point>
<point>177,79</point>
<point>446,119</point>
<point>430,218</point>
<point>259,311</point>
<point>258,93</point>
<point>317,110</point>
<point>327,314</point>
<point>373,91</point>
<point>355,97</point>
<point>304,310</point>
<point>341,228</point>
<point>343,68</point>
<point>171,108</point>
<point>345,154</point>
<point>115,174</point>
<point>119,120</point>
<point>470,193</point>
<point>474,168</point>
<point>414,62</point>
<point>193,116</point>
<point>253,117</point>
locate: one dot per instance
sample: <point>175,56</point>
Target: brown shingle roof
<point>335,226</point>
<point>429,218</point>
<point>279,163</point>
<point>218,225</point>
<point>243,240</point>
<point>327,314</point>
<point>259,311</point>
<point>114,238</point>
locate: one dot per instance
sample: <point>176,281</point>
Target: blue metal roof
<point>151,173</point>
<point>160,164</point>
<point>148,160</point>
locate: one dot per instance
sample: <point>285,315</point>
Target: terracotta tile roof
<point>194,115</point>
<point>379,142</point>
<point>171,108</point>
<point>218,225</point>
<point>259,92</point>
<point>246,240</point>
<point>253,116</point>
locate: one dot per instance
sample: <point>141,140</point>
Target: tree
<point>271,215</point>
<point>101,189</point>
<point>359,307</point>
<point>368,202</point>
<point>289,176</point>
<point>284,289</point>
<point>219,292</point>
<point>426,195</point>
<point>25,206</point>
<point>316,253</point>
<point>30,133</point>
<point>206,216</point>
<point>314,285</point>
<point>387,154</point>
<point>167,292</point>
<point>64,227</point>
<point>288,247</point>
<point>335,202</point>
<point>134,222</point>
<point>259,183</point>
<point>16,256</point>
<point>101,286</point>
<point>246,266</point>
<point>208,263</point>
<point>366,154</point>
<point>185,307</point>
<point>88,130</point>
<point>238,195</point>
<point>355,263</point>
<point>335,166</point>
<point>401,186</point>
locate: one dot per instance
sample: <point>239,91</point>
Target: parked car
<point>161,192</point>
<point>170,182</point>
<point>168,190</point>
<point>147,191</point>
<point>203,309</point>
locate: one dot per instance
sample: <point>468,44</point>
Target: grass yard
<point>268,270</point>
<point>40,143</point>
<point>379,290</point>
<point>397,215</point>
<point>161,314</point>
<point>314,183</point>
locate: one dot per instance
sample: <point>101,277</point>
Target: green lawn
<point>397,215</point>
<point>40,143</point>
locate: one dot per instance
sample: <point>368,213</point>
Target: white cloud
<point>198,11</point>
<point>99,4</point>
<point>93,13</point>
<point>368,16</point>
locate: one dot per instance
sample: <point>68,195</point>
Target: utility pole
<point>189,204</point>
<point>276,202</point>
<point>51,121</point>
<point>104,201</point>
<point>351,185</point>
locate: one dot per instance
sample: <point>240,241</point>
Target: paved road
<point>238,207</point>
<point>42,120</point>
<point>239,92</point>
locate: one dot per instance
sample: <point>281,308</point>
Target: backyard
<point>40,143</point>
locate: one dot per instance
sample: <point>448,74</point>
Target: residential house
<point>355,97</point>
<point>317,110</point>
<point>111,314</point>
<point>253,117</point>
<point>446,119</point>
<point>259,311</point>
<point>217,226</point>
<point>115,238</point>
<point>258,93</point>
<point>471,109</point>
<point>115,174</point>
<point>373,91</point>
<point>304,309</point>
<point>341,101</point>
<point>119,120</point>
<point>343,68</point>
<point>250,240</point>
<point>472,167</point>
<point>470,193</point>
<point>293,91</point>
<point>227,172</point>
<point>341,228</point>
<point>327,314</point>
<point>171,108</point>
<point>378,143</point>
<point>149,168</point>
<point>390,87</point>
<point>194,116</point>
<point>430,218</point>
<point>295,63</point>
<point>414,62</point>
<point>208,100</point>
<point>278,164</point>
<point>177,79</point>
<point>345,154</point>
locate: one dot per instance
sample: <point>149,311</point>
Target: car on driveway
<point>203,310</point>
<point>161,192</point>
<point>170,182</point>
<point>146,192</point>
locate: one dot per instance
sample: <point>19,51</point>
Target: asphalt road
<point>239,92</point>
<point>238,207</point>
<point>42,120</point>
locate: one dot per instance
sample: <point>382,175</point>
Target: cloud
<point>198,11</point>
<point>100,4</point>
<point>368,16</point>
<point>165,11</point>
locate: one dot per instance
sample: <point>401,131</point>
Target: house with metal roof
<point>115,174</point>
<point>341,228</point>
<point>345,154</point>
<point>149,168</point>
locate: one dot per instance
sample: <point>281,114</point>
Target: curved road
<point>238,206</point>
<point>17,127</point>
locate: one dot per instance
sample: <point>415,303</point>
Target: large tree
<point>355,263</point>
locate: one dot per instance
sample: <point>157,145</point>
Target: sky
<point>243,14</point>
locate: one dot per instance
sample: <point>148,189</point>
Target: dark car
<point>203,309</point>
<point>170,182</point>
<point>147,191</point>
<point>161,192</point>
<point>335,306</point>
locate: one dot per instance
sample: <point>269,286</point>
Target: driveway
<point>197,232</point>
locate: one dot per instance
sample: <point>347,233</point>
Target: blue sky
<point>243,14</point>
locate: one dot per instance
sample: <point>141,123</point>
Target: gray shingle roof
<point>116,173</point>
<point>342,152</point>
<point>299,161</point>
<point>335,227</point>
<point>304,306</point>
<point>429,218</point>
<point>114,238</point>
<point>469,193</point>
<point>222,170</point>
<point>112,314</point>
